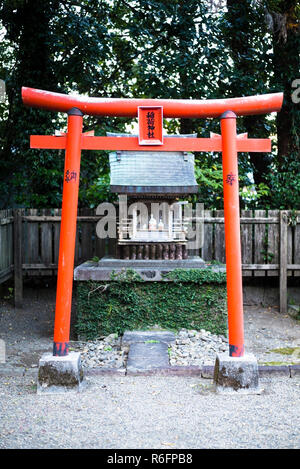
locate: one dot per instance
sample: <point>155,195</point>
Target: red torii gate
<point>229,143</point>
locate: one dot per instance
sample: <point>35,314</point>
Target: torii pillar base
<point>236,374</point>
<point>60,374</point>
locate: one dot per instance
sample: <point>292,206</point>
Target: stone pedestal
<point>236,374</point>
<point>149,270</point>
<point>60,374</point>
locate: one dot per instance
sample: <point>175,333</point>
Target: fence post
<point>283,262</point>
<point>18,275</point>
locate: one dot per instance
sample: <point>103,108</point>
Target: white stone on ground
<point>191,347</point>
<point>103,352</point>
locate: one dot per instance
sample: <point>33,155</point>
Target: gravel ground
<point>118,412</point>
<point>150,412</point>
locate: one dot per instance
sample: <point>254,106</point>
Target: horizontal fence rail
<point>29,243</point>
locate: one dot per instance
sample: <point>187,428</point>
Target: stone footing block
<point>60,374</point>
<point>236,374</point>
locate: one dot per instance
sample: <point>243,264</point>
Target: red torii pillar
<point>74,141</point>
<point>232,235</point>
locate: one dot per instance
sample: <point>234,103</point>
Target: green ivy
<point>194,299</point>
<point>199,276</point>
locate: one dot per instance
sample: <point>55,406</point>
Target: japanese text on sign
<point>150,125</point>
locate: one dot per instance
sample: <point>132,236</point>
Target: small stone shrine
<point>152,226</point>
<point>152,183</point>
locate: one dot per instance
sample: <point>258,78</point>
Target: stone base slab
<point>236,374</point>
<point>149,270</point>
<point>60,374</point>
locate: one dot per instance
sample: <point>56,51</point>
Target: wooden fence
<point>6,245</point>
<point>29,244</point>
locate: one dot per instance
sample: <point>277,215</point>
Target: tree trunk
<point>239,37</point>
<point>286,65</point>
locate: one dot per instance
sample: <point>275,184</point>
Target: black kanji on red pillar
<point>70,176</point>
<point>230,178</point>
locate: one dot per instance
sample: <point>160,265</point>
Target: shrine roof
<point>152,172</point>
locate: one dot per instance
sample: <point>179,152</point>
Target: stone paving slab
<point>182,371</point>
<point>148,351</point>
<point>145,356</point>
<point>132,337</point>
<point>295,370</point>
<point>279,370</point>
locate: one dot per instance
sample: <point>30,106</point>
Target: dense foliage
<point>107,307</point>
<point>159,49</point>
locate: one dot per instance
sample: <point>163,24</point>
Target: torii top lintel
<point>123,107</point>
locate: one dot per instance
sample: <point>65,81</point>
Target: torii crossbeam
<point>150,113</point>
